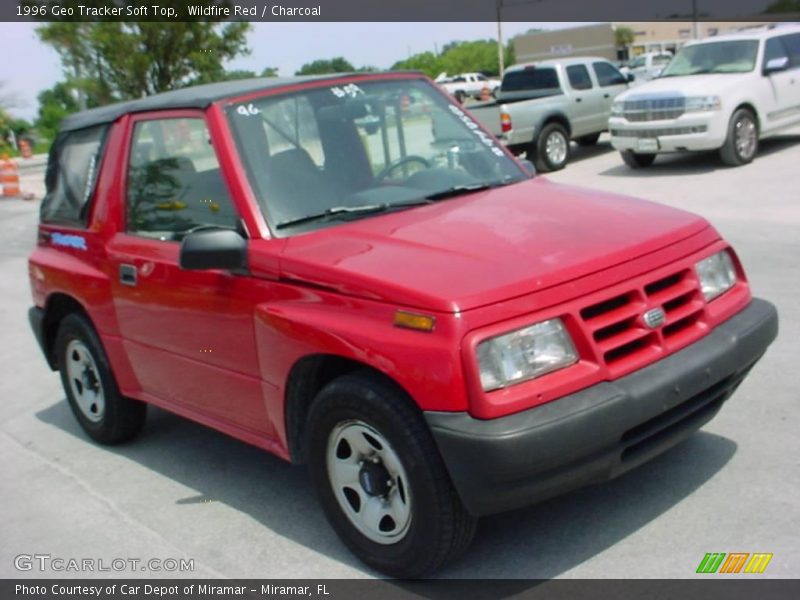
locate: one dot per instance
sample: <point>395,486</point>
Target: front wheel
<point>380,478</point>
<point>102,411</point>
<point>551,148</point>
<point>637,161</point>
<point>741,144</point>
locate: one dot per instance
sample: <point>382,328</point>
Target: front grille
<point>658,132</point>
<point>617,329</point>
<point>653,109</point>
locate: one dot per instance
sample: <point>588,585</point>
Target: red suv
<point>350,272</point>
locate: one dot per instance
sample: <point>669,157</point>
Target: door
<point>584,96</point>
<point>612,83</point>
<point>783,87</point>
<point>188,334</point>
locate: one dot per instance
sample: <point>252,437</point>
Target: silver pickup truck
<point>541,106</point>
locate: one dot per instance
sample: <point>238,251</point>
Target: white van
<point>722,93</point>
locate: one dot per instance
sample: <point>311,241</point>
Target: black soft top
<point>199,96</point>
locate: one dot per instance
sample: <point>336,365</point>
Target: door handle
<point>578,99</point>
<point>606,95</point>
<point>127,275</point>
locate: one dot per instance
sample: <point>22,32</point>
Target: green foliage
<point>108,61</point>
<point>784,6</point>
<point>55,104</point>
<point>324,66</point>
<point>237,74</point>
<point>269,72</point>
<point>459,57</point>
<point>624,36</point>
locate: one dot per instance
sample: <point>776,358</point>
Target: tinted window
<point>174,182</point>
<point>579,77</point>
<point>773,49</point>
<point>531,79</point>
<point>792,44</point>
<point>71,175</point>
<point>607,74</point>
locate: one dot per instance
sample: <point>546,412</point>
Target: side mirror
<point>213,249</point>
<point>630,77</point>
<point>776,64</point>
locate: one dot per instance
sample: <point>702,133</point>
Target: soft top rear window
<point>71,175</point>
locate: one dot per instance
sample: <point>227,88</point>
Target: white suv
<point>720,93</point>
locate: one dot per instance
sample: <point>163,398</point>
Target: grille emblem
<point>654,318</point>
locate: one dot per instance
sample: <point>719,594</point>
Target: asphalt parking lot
<point>181,490</point>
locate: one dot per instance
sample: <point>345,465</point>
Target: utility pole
<point>500,57</point>
<point>695,33</point>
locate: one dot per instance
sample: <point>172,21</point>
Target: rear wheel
<point>741,144</point>
<point>588,140</point>
<point>637,161</point>
<point>381,480</point>
<point>551,148</point>
<point>460,96</point>
<point>103,413</point>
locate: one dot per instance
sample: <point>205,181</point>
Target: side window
<point>773,49</point>
<point>608,75</point>
<point>71,176</point>
<point>174,181</point>
<point>579,77</point>
<point>792,44</point>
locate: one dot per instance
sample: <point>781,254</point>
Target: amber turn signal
<point>410,320</point>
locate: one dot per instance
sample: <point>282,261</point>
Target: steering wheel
<point>411,158</point>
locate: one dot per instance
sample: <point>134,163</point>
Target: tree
<point>624,36</point>
<point>269,72</point>
<point>324,66</point>
<point>784,6</point>
<point>459,57</point>
<point>55,104</point>
<point>237,74</point>
<point>108,61</point>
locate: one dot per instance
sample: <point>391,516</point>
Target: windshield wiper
<point>458,190</point>
<point>339,211</point>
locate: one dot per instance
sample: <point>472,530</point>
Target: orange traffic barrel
<point>9,177</point>
<point>25,149</point>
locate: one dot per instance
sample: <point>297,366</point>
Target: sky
<point>31,66</point>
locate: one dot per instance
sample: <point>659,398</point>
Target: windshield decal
<point>484,137</point>
<point>351,90</point>
<point>249,110</point>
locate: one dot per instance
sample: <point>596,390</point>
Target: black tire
<point>544,161</point>
<point>588,140</point>
<point>460,96</point>
<point>732,153</point>
<point>121,418</point>
<point>440,529</point>
<point>637,161</point>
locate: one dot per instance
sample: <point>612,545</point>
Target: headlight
<point>617,108</point>
<point>716,274</point>
<point>525,354</point>
<point>703,103</point>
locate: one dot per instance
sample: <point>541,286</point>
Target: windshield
<point>737,56</point>
<point>329,154</point>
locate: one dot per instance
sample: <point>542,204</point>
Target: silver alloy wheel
<point>84,381</point>
<point>556,147</point>
<point>745,135</point>
<point>369,482</point>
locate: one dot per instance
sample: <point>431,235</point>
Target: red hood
<point>484,247</point>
